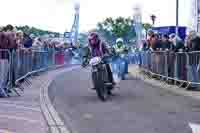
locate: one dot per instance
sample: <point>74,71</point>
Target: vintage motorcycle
<point>100,77</point>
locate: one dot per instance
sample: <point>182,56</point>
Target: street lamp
<point>137,17</point>
<point>177,16</point>
<point>177,23</point>
<point>153,18</point>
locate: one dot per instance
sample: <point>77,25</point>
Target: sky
<point>58,15</point>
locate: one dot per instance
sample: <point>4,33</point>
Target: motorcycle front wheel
<point>101,89</point>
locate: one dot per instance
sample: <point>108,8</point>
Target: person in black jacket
<point>27,41</point>
<point>195,44</point>
<point>166,44</point>
<point>178,43</point>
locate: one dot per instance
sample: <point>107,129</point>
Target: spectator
<point>9,34</point>
<point>1,29</point>
<point>166,44</point>
<point>154,42</point>
<point>177,42</point>
<point>37,44</point>
<point>19,38</point>
<point>149,34</point>
<point>145,45</point>
<point>27,41</point>
<point>194,42</point>
<point>7,42</point>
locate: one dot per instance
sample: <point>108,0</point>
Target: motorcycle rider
<point>121,49</point>
<point>97,47</point>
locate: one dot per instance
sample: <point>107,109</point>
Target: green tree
<point>83,39</point>
<point>35,31</point>
<point>114,28</point>
<point>146,26</point>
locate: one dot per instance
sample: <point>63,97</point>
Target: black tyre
<point>98,81</point>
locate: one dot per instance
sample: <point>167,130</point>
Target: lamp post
<point>153,19</point>
<point>137,17</point>
<point>177,16</point>
<point>177,22</point>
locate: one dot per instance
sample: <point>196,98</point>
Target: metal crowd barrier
<point>17,64</point>
<point>5,73</point>
<point>183,67</point>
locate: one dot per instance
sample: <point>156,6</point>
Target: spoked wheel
<point>101,88</point>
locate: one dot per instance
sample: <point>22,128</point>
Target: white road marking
<point>19,103</point>
<point>20,107</point>
<point>195,127</point>
<point>20,118</point>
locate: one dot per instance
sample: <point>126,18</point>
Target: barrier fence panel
<point>171,64</point>
<point>159,60</point>
<point>193,67</point>
<point>153,65</point>
<point>181,66</point>
<point>144,56</point>
<point>16,64</point>
<point>5,72</point>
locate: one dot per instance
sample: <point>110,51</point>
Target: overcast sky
<point>57,15</point>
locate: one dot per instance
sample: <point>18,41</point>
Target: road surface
<point>138,107</point>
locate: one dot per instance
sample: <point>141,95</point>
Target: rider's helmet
<point>119,40</point>
<point>93,38</point>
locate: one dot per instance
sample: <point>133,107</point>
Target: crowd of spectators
<point>28,47</point>
<point>172,42</point>
<point>11,38</point>
<point>183,66</point>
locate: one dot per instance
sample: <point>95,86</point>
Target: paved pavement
<point>30,112</point>
<point>137,107</point>
<point>22,114</point>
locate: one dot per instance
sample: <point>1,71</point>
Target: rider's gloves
<point>83,65</point>
<point>85,62</point>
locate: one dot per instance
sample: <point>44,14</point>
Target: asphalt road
<point>137,107</point>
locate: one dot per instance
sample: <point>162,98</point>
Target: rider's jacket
<point>96,50</point>
<point>119,48</point>
<point>93,51</point>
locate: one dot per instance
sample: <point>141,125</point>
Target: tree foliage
<point>35,31</point>
<point>147,26</point>
<point>83,39</point>
<point>114,28</point>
